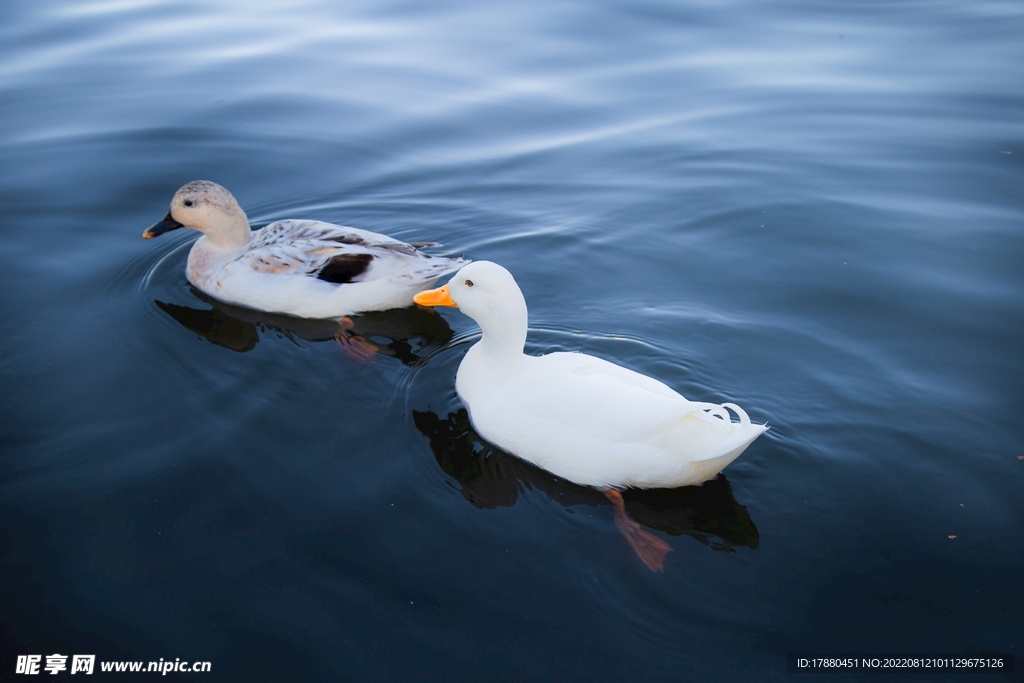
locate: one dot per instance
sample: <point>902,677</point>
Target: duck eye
<point>469,283</point>
<point>188,202</point>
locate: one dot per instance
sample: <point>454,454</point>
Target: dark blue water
<point>813,210</point>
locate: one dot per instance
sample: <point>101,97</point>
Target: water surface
<point>812,211</point>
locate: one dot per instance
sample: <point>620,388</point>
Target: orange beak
<point>435,297</point>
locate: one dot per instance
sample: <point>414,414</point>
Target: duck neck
<point>504,332</point>
<point>230,234</point>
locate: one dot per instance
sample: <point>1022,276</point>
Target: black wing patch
<point>344,268</point>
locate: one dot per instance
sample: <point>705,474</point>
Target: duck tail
<point>719,413</point>
<point>744,418</point>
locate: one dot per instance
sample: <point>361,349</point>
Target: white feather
<point>580,417</point>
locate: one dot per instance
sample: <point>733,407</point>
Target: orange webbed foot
<point>649,548</point>
<point>352,345</point>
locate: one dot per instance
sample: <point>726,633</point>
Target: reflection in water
<point>491,478</point>
<point>397,333</point>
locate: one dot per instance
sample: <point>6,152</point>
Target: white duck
<point>303,268</point>
<point>580,417</point>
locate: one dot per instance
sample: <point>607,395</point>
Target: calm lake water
<point>814,210</point>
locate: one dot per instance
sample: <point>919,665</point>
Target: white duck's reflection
<point>491,478</point>
<point>399,333</point>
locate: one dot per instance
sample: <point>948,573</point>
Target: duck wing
<point>339,254</point>
<point>590,395</point>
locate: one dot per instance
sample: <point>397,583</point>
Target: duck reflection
<point>399,333</point>
<point>490,478</point>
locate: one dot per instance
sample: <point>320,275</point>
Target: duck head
<point>488,294</point>
<point>208,208</point>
